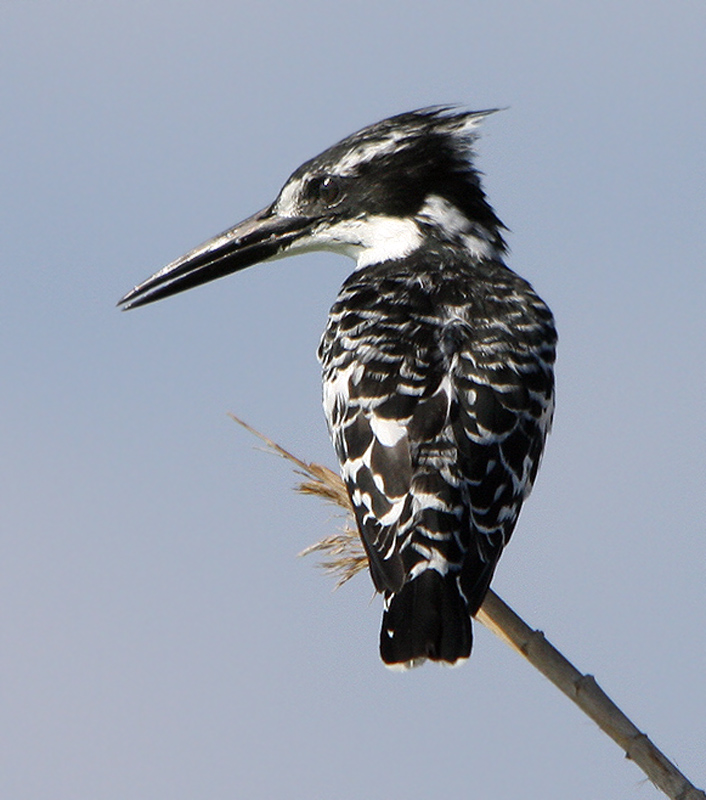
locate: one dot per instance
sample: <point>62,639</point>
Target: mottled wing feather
<point>438,407</point>
<point>505,404</point>
<point>373,447</point>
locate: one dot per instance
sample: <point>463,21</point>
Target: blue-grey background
<point>159,638</point>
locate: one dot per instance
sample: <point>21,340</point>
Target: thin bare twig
<point>345,557</point>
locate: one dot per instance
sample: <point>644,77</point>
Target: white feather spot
<point>387,431</point>
<point>336,391</point>
<point>392,516</point>
<point>433,559</point>
<point>446,217</point>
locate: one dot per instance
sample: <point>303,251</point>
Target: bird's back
<point>438,392</point>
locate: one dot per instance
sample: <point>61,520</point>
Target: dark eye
<point>326,189</point>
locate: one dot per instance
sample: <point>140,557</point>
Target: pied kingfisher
<point>437,361</point>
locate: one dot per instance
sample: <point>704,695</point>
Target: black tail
<point>427,618</point>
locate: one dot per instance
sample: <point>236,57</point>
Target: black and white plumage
<point>437,362</point>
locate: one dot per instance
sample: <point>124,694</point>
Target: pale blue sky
<point>158,637</point>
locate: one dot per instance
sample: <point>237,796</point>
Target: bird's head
<point>377,195</point>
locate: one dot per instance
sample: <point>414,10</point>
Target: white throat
<point>369,240</point>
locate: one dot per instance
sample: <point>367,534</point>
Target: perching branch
<point>345,557</point>
<point>588,696</point>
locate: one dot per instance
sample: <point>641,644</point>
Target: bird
<point>437,361</point>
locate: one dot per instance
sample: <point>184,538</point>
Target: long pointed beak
<point>258,238</point>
